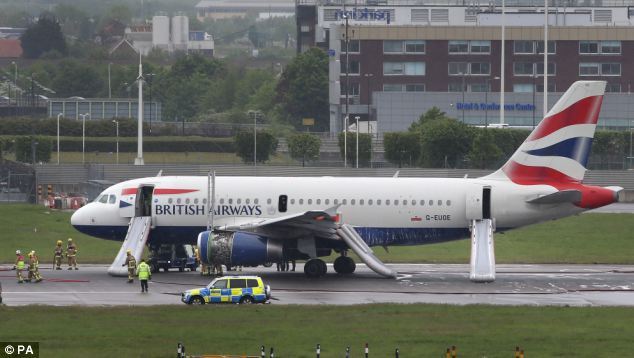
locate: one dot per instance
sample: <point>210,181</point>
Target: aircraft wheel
<point>344,265</point>
<point>315,268</point>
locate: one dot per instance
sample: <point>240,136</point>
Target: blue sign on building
<point>492,106</point>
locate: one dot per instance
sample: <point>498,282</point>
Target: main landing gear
<point>344,265</point>
<point>315,268</point>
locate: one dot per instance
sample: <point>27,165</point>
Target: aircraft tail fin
<point>558,148</point>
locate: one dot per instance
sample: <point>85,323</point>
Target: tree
<point>303,89</point>
<point>432,114</point>
<point>484,152</point>
<point>444,142</point>
<point>304,147</point>
<point>266,145</point>
<point>365,148</point>
<point>24,147</point>
<point>77,79</point>
<point>402,147</point>
<point>43,36</point>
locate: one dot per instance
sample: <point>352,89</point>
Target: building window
<point>613,87</point>
<point>391,87</point>
<point>523,47</point>
<point>540,68</point>
<point>551,87</point>
<point>480,68</point>
<point>404,68</point>
<point>522,68</point>
<point>417,46</point>
<point>397,46</point>
<point>392,46</point>
<point>589,69</point>
<point>353,46</point>
<point>599,47</point>
<point>415,87</point>
<point>588,47</point>
<point>458,46</point>
<point>354,89</point>
<point>354,67</point>
<point>483,47</point>
<point>478,87</point>
<point>610,69</point>
<point>456,87</point>
<point>540,47</point>
<point>523,87</point>
<point>458,68</point>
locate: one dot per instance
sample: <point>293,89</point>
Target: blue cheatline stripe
<point>371,235</point>
<point>577,149</point>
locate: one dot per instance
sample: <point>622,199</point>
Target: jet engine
<point>237,249</point>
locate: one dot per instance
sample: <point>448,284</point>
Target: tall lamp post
<point>255,139</point>
<point>109,83</point>
<point>631,143</point>
<point>534,90</point>
<point>116,123</point>
<point>83,137</point>
<point>59,115</point>
<point>463,88</point>
<point>367,77</point>
<point>15,81</point>
<point>345,127</point>
<point>150,77</point>
<point>357,118</point>
<point>486,100</point>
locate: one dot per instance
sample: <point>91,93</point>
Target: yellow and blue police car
<point>229,289</point>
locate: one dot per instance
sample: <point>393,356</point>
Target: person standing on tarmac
<point>34,269</point>
<point>57,255</point>
<point>71,253</point>
<point>130,261</point>
<point>143,271</point>
<point>19,265</point>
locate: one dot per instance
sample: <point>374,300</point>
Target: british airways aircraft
<point>259,220</point>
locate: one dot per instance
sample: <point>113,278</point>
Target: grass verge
<point>584,239</point>
<point>417,330</point>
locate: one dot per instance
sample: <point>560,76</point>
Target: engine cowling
<point>237,249</point>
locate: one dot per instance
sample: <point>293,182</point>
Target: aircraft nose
<point>79,218</point>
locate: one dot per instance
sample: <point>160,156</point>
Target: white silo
<point>161,31</point>
<point>180,31</point>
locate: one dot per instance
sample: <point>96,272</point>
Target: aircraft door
<point>143,204</point>
<point>478,203</point>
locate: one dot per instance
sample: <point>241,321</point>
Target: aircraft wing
<point>316,223</point>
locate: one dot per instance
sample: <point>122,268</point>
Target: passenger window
<point>387,202</point>
<point>318,201</point>
<point>187,201</point>
<point>230,201</point>
<point>248,201</point>
<point>352,201</point>
<point>103,199</point>
<point>268,201</point>
<point>336,201</point>
<point>256,201</point>
<point>448,202</point>
<point>238,201</point>
<point>178,201</point>
<point>301,201</point>
<point>422,203</point>
<point>238,283</point>
<point>413,202</point>
<point>292,201</point>
<point>327,201</point>
<point>196,201</point>
<point>439,202</point>
<point>404,202</point>
<point>282,203</point>
<point>370,202</point>
<point>344,201</point>
<point>395,202</point>
<point>360,201</point>
<point>220,284</point>
<point>170,200</point>
<point>431,203</point>
<point>113,199</point>
<point>378,202</point>
<point>310,201</point>
<point>222,200</point>
<point>252,283</point>
<point>204,201</point>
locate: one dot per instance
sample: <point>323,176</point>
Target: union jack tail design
<point>558,149</point>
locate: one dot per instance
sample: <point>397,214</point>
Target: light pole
<point>150,76</point>
<point>83,137</point>
<point>463,85</point>
<point>631,143</point>
<point>109,83</point>
<point>486,100</point>
<point>58,117</point>
<point>534,89</point>
<point>34,151</point>
<point>367,77</point>
<point>357,118</point>
<point>255,139</point>
<point>345,127</point>
<point>116,122</point>
<point>15,80</point>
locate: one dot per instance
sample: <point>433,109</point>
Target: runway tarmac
<point>574,285</point>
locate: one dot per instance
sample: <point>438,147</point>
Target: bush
<point>365,148</point>
<point>266,145</point>
<point>402,147</point>
<point>24,149</point>
<point>304,147</point>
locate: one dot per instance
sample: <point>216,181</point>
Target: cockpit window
<point>103,199</point>
<point>113,199</point>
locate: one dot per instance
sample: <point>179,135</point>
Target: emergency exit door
<point>478,203</point>
<point>144,200</point>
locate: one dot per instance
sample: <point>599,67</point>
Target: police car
<point>229,289</point>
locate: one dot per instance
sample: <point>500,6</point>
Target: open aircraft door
<point>478,202</point>
<point>136,202</point>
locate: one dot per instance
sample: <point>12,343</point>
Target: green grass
<point>587,239</point>
<point>159,158</point>
<point>418,330</point>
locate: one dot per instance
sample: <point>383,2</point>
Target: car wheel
<point>246,300</point>
<point>197,300</point>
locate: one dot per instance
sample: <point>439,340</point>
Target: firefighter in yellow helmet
<point>130,261</point>
<point>19,265</point>
<point>57,255</point>
<point>34,268</point>
<point>71,254</point>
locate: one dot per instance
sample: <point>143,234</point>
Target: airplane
<point>260,220</point>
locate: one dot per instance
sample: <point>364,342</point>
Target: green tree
<point>484,152</point>
<point>444,142</point>
<point>432,114</point>
<point>24,147</point>
<point>77,79</point>
<point>365,148</point>
<point>45,35</point>
<point>303,89</point>
<point>304,147</point>
<point>402,147</point>
<point>266,145</point>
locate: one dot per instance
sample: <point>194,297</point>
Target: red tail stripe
<point>526,175</point>
<point>585,111</point>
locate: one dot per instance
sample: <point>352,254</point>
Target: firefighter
<point>19,265</point>
<point>130,261</point>
<point>34,268</point>
<point>71,253</point>
<point>57,255</point>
